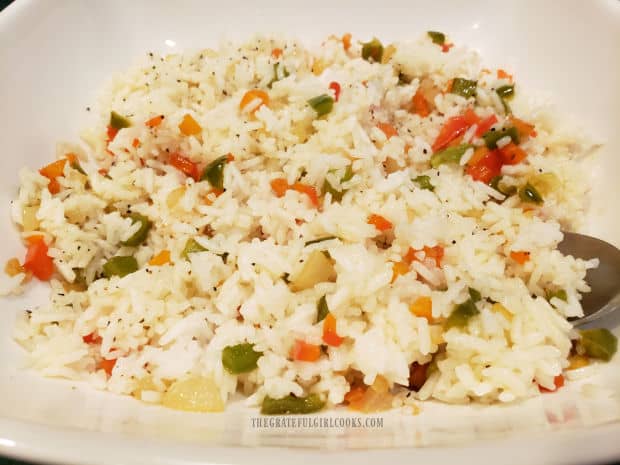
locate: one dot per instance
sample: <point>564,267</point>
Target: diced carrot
<point>185,165</point>
<point>305,352</point>
<point>501,74</point>
<point>279,186</point>
<point>399,269</point>
<point>251,95</point>
<point>54,169</point>
<point>92,338</point>
<point>346,41</point>
<point>102,172</point>
<point>387,129</point>
<point>422,307</point>
<point>512,154</point>
<point>161,258</point>
<point>276,53</point>
<point>189,126</point>
<point>478,155</point>
<point>37,260</point>
<point>558,382</point>
<point>336,88</point>
<point>308,190</point>
<point>485,125</point>
<point>524,128</point>
<point>379,222</point>
<point>520,256</point>
<point>72,158</point>
<point>436,253</point>
<point>419,105</point>
<point>330,336</point>
<point>230,157</point>
<point>107,365</point>
<point>410,256</point>
<point>154,121</point>
<point>135,143</point>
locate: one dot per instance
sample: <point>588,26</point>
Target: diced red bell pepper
<point>487,168</point>
<point>485,125</point>
<point>451,129</point>
<point>185,165</point>
<point>37,261</point>
<point>330,336</point>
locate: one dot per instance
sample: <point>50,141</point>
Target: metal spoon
<point>604,280</point>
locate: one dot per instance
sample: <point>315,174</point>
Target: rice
<point>147,333</point>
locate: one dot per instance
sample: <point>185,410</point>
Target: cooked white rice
<point>168,323</point>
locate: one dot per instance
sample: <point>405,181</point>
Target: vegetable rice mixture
<point>359,224</point>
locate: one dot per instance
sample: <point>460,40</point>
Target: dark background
<point>6,461</point>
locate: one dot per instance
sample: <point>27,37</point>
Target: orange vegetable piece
<point>154,121</point>
<point>92,338</point>
<point>449,86</point>
<point>330,336</point>
<point>346,41</point>
<point>160,259</point>
<point>252,95</point>
<point>37,261</point>
<point>111,132</point>
<point>558,382</point>
<point>422,307</point>
<point>478,155</point>
<point>387,129</point>
<point>379,222</point>
<point>51,172</point>
<point>485,125</point>
<point>488,167</point>
<point>185,165</point>
<point>305,352</point>
<point>520,256</point>
<point>308,190</point>
<point>501,74</point>
<point>189,126</point>
<point>135,143</point>
<point>276,53</point>
<point>445,48</point>
<point>524,128</point>
<point>279,186</point>
<point>452,129</point>
<point>419,105</point>
<point>399,269</point>
<point>471,117</point>
<point>107,365</point>
<point>13,267</point>
<point>436,253</point>
<point>355,395</point>
<point>512,154</point>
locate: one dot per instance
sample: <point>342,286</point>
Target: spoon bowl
<point>604,280</point>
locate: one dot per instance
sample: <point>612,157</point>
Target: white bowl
<point>56,55</point>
